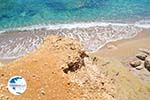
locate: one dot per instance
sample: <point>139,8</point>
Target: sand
<point>126,48</point>
<point>125,51</point>
<point>104,76</point>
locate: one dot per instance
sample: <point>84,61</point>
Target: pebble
<point>135,63</point>
<point>43,92</point>
<point>139,67</point>
<point>141,56</point>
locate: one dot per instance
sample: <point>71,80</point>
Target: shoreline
<point>18,43</point>
<point>117,45</point>
<point>141,24</point>
<point>125,51</point>
<point>102,48</point>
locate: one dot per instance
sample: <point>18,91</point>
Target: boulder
<point>135,63</point>
<point>147,63</point>
<point>141,56</point>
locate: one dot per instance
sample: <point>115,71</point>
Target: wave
<point>92,35</point>
<point>140,24</point>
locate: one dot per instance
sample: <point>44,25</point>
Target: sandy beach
<point>126,48</point>
<point>105,75</point>
<point>74,49</point>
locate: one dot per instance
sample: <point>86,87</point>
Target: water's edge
<point>17,42</point>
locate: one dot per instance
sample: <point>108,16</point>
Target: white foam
<point>143,24</point>
<point>102,32</point>
<point>140,24</point>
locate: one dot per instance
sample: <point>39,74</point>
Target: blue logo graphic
<point>17,85</point>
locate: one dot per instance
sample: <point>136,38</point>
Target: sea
<point>25,23</point>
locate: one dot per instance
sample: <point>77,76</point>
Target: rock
<point>141,56</point>
<point>83,54</point>
<point>74,65</point>
<point>147,63</point>
<point>135,63</point>
<point>139,67</point>
<point>144,50</point>
<point>43,92</point>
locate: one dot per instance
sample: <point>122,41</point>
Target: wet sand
<point>14,44</point>
<point>126,48</point>
<point>125,51</point>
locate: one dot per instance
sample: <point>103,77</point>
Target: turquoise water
<point>17,13</point>
<point>93,22</point>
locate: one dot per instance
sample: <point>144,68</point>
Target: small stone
<point>2,75</point>
<point>135,63</point>
<point>42,92</point>
<point>72,48</point>
<point>7,98</point>
<point>139,67</point>
<point>147,63</point>
<point>83,54</point>
<point>141,56</point>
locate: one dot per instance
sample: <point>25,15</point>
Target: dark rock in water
<point>141,56</point>
<point>135,63</point>
<point>147,63</point>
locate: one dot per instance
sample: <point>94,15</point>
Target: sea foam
<point>17,42</point>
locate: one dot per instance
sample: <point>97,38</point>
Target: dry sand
<point>102,78</point>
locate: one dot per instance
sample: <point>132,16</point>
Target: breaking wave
<point>17,42</point>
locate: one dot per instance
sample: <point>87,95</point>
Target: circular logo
<point>17,85</point>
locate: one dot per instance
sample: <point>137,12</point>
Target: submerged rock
<point>135,63</point>
<point>147,63</point>
<point>141,56</point>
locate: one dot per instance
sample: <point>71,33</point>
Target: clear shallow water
<point>18,13</point>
